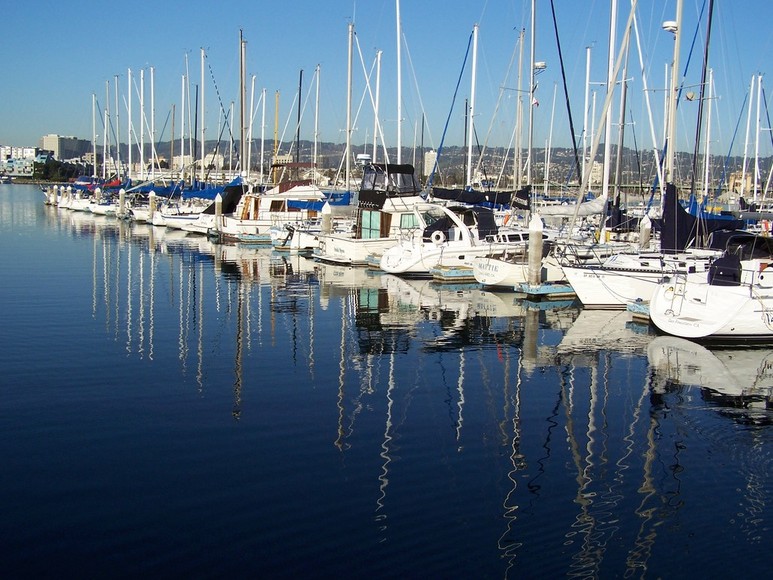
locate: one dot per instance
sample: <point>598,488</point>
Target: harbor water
<point>174,407</point>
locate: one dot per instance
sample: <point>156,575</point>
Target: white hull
<point>628,278</point>
<point>420,259</point>
<point>346,250</point>
<point>494,270</point>
<point>689,307</point>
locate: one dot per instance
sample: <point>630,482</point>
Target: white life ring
<point>438,237</point>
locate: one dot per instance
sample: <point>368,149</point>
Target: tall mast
<point>585,113</point>
<point>471,114</point>
<point>242,102</point>
<point>262,135</point>
<point>707,156</point>
<point>376,107</point>
<point>182,128</point>
<point>746,139</point>
<point>129,120</point>
<point>621,126</point>
<point>153,153</point>
<point>531,95</point>
<point>610,88</point>
<point>399,86</point>
<point>316,127</point>
<point>349,108</point>
<point>757,139</point>
<point>94,134</point>
<point>517,170</point>
<point>203,148</point>
<point>674,27</point>
<point>704,70</point>
<point>117,130</point>
<point>105,142</point>
<point>142,123</point>
<point>298,123</point>
<point>248,162</point>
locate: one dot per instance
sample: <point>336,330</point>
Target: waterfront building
<point>64,148</point>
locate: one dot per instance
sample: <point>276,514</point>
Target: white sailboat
<point>732,300</point>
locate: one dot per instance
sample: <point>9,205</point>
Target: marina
<point>177,406</point>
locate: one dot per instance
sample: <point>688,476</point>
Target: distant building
<point>20,161</point>
<point>741,182</point>
<point>65,148</point>
<point>430,158</point>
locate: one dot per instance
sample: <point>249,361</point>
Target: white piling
<point>535,249</point>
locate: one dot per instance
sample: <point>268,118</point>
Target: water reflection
<point>577,422</point>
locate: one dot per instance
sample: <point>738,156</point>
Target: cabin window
<point>408,221</point>
<point>371,224</point>
<point>277,205</point>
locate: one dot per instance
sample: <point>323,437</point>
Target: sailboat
<point>732,300</point>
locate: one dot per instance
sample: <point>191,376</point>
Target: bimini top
<point>383,180</point>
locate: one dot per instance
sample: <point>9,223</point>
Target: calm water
<point>172,407</point>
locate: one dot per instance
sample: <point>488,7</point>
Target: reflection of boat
<point>596,330</point>
<point>743,375</point>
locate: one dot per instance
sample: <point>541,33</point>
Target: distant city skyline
<point>58,64</point>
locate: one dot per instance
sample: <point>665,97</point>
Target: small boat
<point>385,202</point>
<point>451,237</point>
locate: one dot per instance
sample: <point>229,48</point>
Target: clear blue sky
<point>57,55</point>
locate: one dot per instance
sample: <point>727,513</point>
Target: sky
<point>57,56</point>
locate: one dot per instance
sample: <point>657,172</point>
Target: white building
<point>64,148</point>
<point>430,158</point>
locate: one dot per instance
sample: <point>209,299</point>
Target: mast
<point>248,162</point>
<point>106,123</point>
<point>182,129</point>
<point>704,69</point>
<point>746,139</point>
<point>399,86</point>
<point>94,134</point>
<point>349,109</point>
<point>142,123</point>
<point>129,121</point>
<point>757,139</point>
<point>298,123</point>
<point>203,129</point>
<point>532,88</point>
<point>621,126</point>
<point>117,129</point>
<point>471,114</point>
<point>610,88</point>
<point>585,114</point>
<point>276,130</point>
<point>549,145</point>
<point>376,107</point>
<point>153,153</point>
<point>242,101</point>
<point>707,156</point>
<point>674,27</point>
<point>190,110</point>
<point>316,127</point>
<point>518,173</point>
<point>262,135</point>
